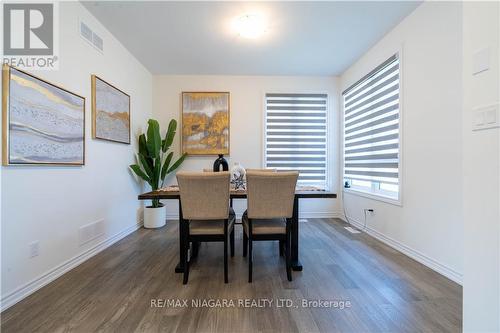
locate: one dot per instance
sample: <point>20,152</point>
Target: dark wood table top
<point>235,194</point>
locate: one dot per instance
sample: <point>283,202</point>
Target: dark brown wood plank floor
<point>112,292</point>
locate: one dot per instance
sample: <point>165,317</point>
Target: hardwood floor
<point>113,291</point>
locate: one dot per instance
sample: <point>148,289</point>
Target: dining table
<point>172,193</point>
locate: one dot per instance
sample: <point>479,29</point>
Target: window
<point>296,136</point>
<point>372,133</point>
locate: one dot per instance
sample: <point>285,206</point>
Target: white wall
<point>247,122</point>
<point>49,204</point>
<point>428,225</point>
<point>481,161</point>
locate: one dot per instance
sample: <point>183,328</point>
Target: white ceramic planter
<point>155,217</point>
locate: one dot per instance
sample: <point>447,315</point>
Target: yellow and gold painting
<point>205,123</point>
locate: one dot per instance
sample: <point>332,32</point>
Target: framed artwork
<point>110,112</point>
<point>205,123</point>
<point>43,124</point>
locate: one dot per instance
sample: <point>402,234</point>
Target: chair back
<point>204,195</point>
<point>271,194</point>
<point>260,170</point>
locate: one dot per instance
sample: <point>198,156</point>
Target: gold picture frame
<point>205,122</point>
<point>111,112</point>
<point>54,106</point>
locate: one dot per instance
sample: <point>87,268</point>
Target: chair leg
<point>288,253</point>
<point>245,244</point>
<point>196,247</point>
<point>250,260</point>
<point>282,246</point>
<point>186,263</point>
<point>231,240</point>
<point>226,280</point>
<point>288,263</point>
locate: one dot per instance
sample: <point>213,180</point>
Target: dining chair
<point>281,243</point>
<point>261,170</point>
<point>230,200</point>
<point>269,213</point>
<point>205,212</point>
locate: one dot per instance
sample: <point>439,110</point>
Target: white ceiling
<point>304,38</point>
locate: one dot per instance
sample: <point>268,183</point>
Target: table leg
<point>180,267</point>
<point>296,264</point>
<point>195,247</point>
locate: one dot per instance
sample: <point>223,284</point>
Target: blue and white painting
<point>46,123</point>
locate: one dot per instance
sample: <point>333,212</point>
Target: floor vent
<point>91,37</point>
<point>352,230</point>
<point>91,231</point>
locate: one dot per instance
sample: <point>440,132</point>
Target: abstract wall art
<point>110,112</point>
<point>43,124</point>
<point>205,123</point>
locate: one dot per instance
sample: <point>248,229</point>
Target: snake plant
<point>153,161</point>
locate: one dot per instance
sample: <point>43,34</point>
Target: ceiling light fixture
<point>250,26</point>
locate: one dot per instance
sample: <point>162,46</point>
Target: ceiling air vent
<point>91,37</point>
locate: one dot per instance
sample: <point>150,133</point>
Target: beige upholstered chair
<point>205,211</point>
<point>260,170</point>
<point>270,210</point>
<point>230,200</point>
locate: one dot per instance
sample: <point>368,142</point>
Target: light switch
<point>481,61</point>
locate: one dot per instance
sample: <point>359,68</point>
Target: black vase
<point>221,161</point>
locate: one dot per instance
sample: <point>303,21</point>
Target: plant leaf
<point>149,164</point>
<point>156,173</point>
<point>143,149</point>
<point>146,164</point>
<point>177,163</point>
<point>153,138</point>
<point>139,172</point>
<point>169,136</point>
<point>166,164</point>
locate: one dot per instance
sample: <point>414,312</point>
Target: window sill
<point>378,197</point>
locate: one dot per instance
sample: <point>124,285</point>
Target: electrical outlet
<point>34,249</point>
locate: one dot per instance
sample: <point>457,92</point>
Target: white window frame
<point>377,194</point>
<point>329,128</point>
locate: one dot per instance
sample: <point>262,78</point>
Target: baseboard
<point>412,253</point>
<point>63,268</point>
<point>318,215</point>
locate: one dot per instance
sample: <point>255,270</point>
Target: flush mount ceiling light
<point>250,26</point>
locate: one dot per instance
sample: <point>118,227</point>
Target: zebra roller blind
<point>296,134</point>
<point>371,126</point>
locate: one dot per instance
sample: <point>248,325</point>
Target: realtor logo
<point>31,35</point>
<point>28,29</point>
